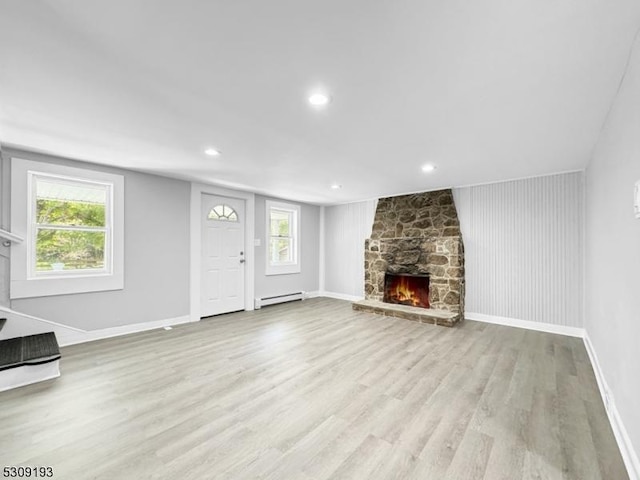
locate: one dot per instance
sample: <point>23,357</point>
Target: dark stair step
<point>41,348</point>
<point>10,353</point>
<point>29,350</point>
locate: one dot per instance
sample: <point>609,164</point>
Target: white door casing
<point>223,256</point>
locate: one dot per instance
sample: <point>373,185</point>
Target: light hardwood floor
<point>314,390</point>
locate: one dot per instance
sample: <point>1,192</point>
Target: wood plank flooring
<point>311,391</point>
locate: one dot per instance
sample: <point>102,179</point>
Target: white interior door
<point>223,257</point>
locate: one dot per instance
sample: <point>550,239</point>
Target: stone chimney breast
<point>418,234</point>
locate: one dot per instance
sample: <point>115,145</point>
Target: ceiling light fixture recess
<point>336,186</point>
<point>319,99</point>
<point>212,152</point>
<point>428,168</point>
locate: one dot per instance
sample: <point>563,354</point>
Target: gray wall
<point>524,248</point>
<point>156,282</point>
<point>307,279</point>
<point>347,226</point>
<point>613,251</point>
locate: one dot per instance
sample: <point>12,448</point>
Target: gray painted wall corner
<point>156,282</point>
<point>613,256</point>
<point>308,278</point>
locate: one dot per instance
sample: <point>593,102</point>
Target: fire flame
<point>404,293</point>
<point>407,290</point>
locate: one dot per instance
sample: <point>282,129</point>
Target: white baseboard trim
<point>92,335</point>
<point>340,296</point>
<point>314,294</point>
<point>20,324</point>
<point>627,451</point>
<point>26,316</point>
<point>528,324</point>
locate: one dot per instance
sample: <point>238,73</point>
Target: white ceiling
<point>487,90</point>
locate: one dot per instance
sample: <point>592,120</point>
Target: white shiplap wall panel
<point>524,248</point>
<point>346,228</point>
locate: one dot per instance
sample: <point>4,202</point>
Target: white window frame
<point>33,227</point>
<point>25,282</point>
<point>289,267</point>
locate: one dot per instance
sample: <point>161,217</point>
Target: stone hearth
<point>423,315</point>
<point>417,234</point>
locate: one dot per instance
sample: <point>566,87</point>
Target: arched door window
<point>224,213</point>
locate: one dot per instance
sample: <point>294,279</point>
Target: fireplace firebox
<point>406,289</point>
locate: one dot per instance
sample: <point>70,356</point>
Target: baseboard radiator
<point>287,297</point>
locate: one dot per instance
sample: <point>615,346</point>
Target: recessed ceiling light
<point>319,99</point>
<point>212,152</point>
<point>336,186</point>
<point>428,168</point>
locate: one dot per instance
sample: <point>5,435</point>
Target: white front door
<point>223,257</point>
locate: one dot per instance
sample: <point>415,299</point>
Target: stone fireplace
<point>417,235</point>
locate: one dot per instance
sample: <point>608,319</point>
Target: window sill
<point>44,287</point>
